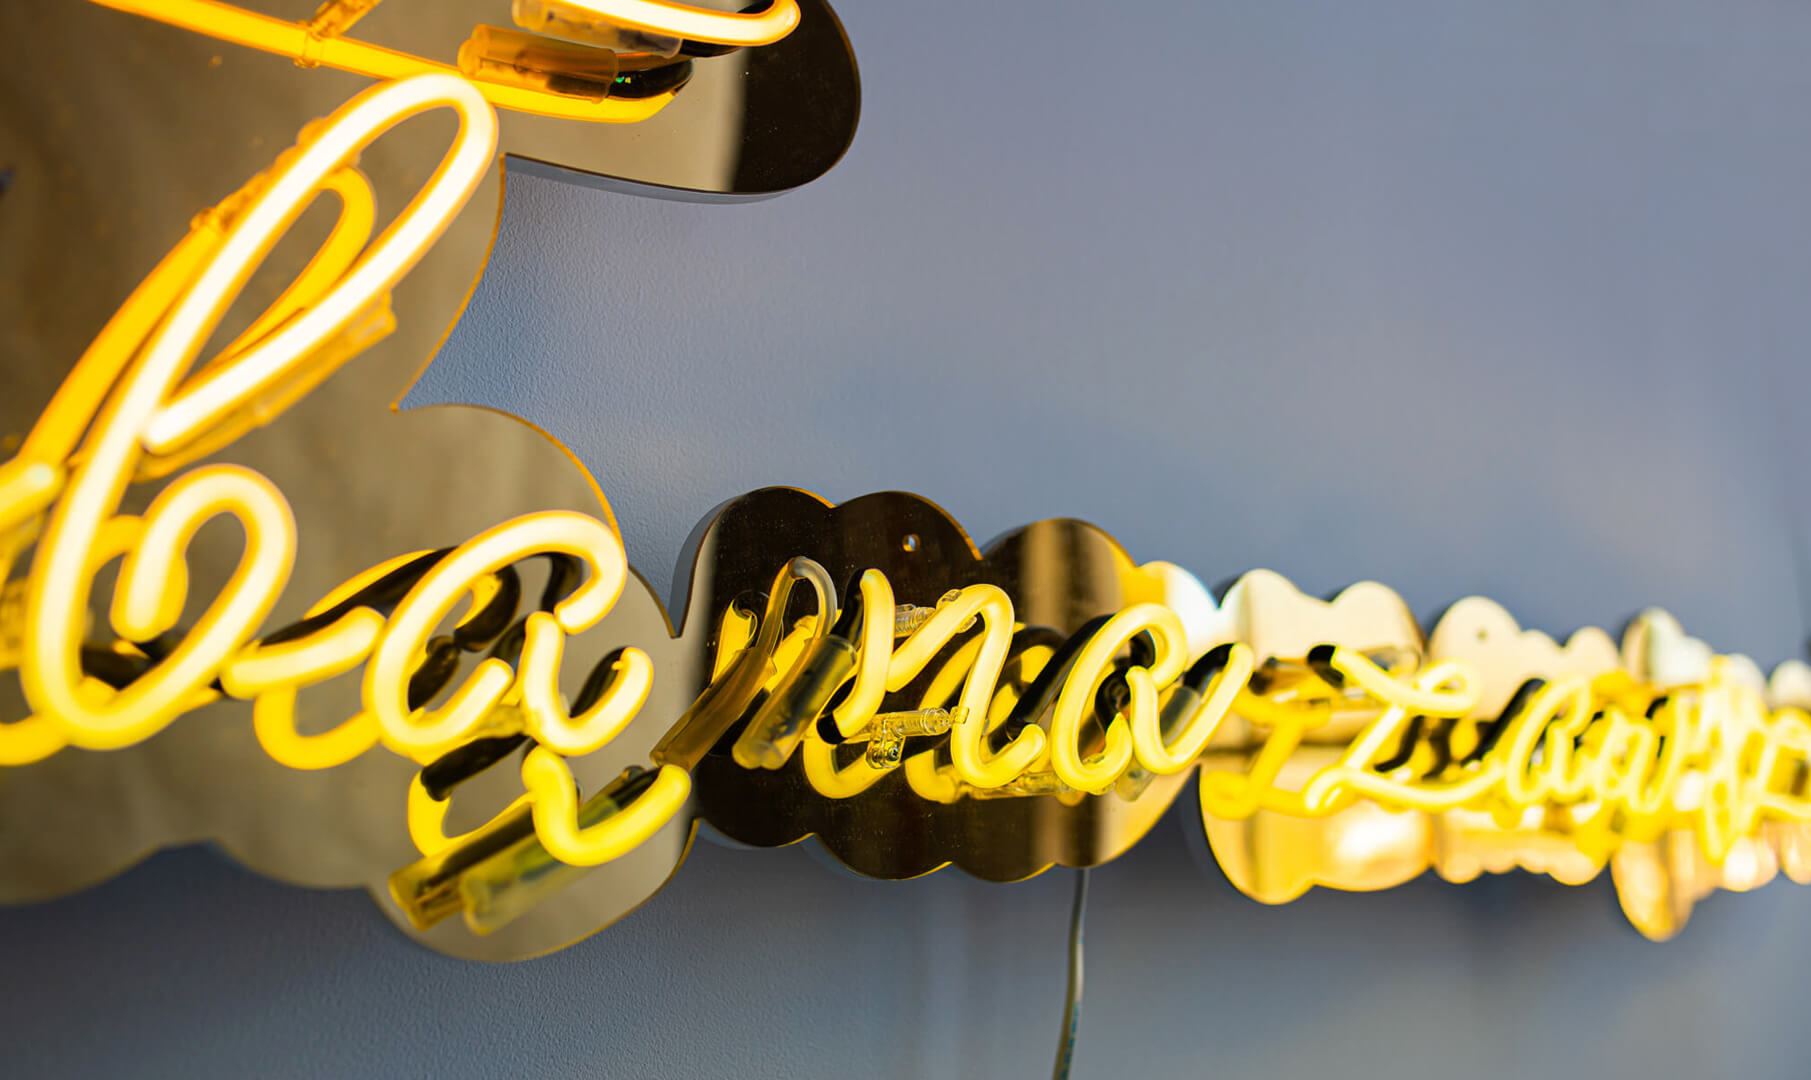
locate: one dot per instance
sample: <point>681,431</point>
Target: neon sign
<point>933,691</point>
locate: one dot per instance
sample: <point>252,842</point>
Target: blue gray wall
<point>1463,296</point>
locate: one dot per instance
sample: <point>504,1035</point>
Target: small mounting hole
<point>910,543</point>
<point>1482,634</point>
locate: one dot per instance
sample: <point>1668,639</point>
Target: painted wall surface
<point>1489,297</point>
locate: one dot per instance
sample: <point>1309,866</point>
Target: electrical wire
<point>1072,1006</point>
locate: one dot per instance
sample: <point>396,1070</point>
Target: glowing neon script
<point>514,80</point>
<point>126,411</point>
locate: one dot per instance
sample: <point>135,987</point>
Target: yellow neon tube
<point>30,482</point>
<point>924,776</point>
<point>927,779</point>
<point>374,321</point>
<point>1166,759</point>
<point>151,591</point>
<point>1562,707</point>
<point>427,819</point>
<point>1232,796</point>
<point>550,785</point>
<point>1091,667</point>
<point>1336,786</point>
<point>234,24</point>
<point>930,782</point>
<point>274,723</point>
<point>819,759</point>
<point>153,586</point>
<point>226,386</point>
<point>332,650</point>
<point>876,652</point>
<point>32,739</point>
<point>345,590</point>
<point>1708,758</point>
<point>433,598</point>
<point>696,23</point>
<point>734,631</point>
<point>350,233</point>
<point>26,488</point>
<point>272,675</point>
<point>971,760</point>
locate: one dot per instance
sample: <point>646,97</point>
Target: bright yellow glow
<point>1434,689</point>
<point>549,783</point>
<point>1598,764</point>
<point>345,590</point>
<point>217,258</point>
<point>928,779</point>
<point>125,413</point>
<point>819,759</point>
<point>951,675</point>
<point>1613,762</point>
<point>427,819</point>
<point>272,675</point>
<point>348,237</point>
<point>875,655</point>
<point>231,23</point>
<point>32,739</point>
<point>26,488</point>
<point>37,475</point>
<point>972,762</point>
<point>1166,758</point>
<point>696,23</point>
<point>548,721</point>
<point>424,730</point>
<point>1092,666</point>
<point>274,723</point>
<point>870,687</point>
<point>1455,693</point>
<point>153,587</point>
<point>734,631</point>
<point>931,783</point>
<point>791,647</point>
<point>225,386</point>
<point>1232,796</point>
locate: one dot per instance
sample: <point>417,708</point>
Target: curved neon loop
<point>975,765</point>
<point>427,819</point>
<point>231,23</point>
<point>1168,756</point>
<point>1100,772</point>
<point>223,387</point>
<point>549,782</point>
<point>695,23</point>
<point>428,731</point>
